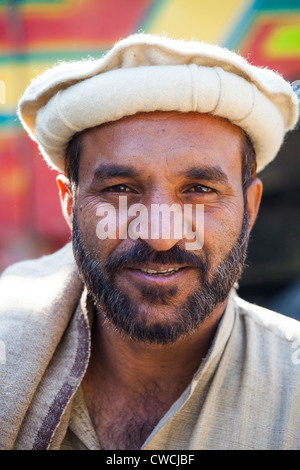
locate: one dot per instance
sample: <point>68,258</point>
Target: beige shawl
<point>245,394</point>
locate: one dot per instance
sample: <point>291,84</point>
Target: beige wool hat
<point>145,73</point>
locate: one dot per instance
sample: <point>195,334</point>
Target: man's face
<point>161,158</point>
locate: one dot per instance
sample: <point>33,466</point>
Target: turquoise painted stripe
<point>234,38</point>
<point>15,3</point>
<point>49,57</point>
<point>151,14</point>
<point>9,120</point>
<point>269,5</point>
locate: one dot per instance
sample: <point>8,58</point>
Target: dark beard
<point>125,316</point>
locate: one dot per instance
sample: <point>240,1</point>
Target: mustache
<point>141,253</point>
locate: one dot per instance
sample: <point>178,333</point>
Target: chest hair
<point>125,424</point>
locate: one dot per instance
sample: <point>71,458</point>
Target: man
<point>142,341</point>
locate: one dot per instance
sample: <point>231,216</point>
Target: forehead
<point>152,140</point>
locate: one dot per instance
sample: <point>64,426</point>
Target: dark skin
<point>129,385</point>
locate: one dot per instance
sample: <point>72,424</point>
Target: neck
<point>129,385</point>
<point>119,360</point>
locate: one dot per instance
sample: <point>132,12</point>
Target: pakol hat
<point>145,73</point>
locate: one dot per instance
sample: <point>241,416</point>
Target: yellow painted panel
<point>16,77</point>
<point>196,19</point>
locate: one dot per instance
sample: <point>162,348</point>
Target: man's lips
<point>159,270</point>
<point>158,274</point>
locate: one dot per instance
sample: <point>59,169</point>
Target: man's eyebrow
<point>213,173</point>
<point>106,170</point>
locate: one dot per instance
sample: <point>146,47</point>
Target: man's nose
<point>165,222</point>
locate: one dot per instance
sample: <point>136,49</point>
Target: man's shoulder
<point>37,285</point>
<point>39,299</point>
<point>276,323</point>
<point>43,266</point>
<point>275,337</point>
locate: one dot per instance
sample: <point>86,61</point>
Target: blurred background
<point>38,33</point>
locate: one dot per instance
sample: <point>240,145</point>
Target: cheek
<point>95,241</point>
<point>221,231</point>
<point>87,224</point>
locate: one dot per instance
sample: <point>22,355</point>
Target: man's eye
<point>118,188</point>
<point>200,188</point>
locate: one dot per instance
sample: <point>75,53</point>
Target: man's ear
<point>66,197</point>
<point>254,194</point>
